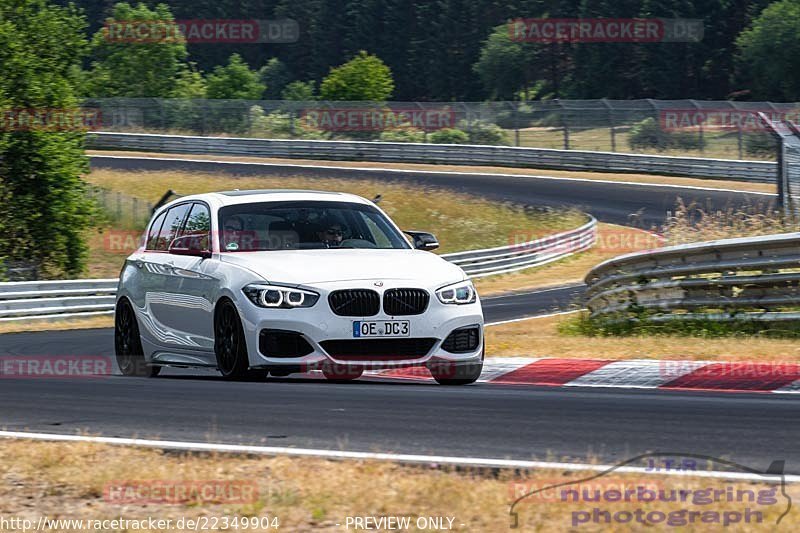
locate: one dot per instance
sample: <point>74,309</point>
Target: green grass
<point>639,326</point>
<point>721,145</point>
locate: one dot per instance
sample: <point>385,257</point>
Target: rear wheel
<point>230,346</point>
<point>341,373</point>
<point>128,343</point>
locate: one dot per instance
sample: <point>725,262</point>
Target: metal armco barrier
<point>754,278</point>
<point>26,300</point>
<point>505,259</point>
<point>56,299</point>
<point>540,158</point>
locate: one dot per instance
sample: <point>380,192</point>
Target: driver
<point>331,235</point>
<point>232,231</point>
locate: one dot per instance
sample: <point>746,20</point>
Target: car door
<point>157,273</point>
<point>190,284</point>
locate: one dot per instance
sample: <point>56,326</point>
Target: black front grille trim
<point>283,343</point>
<point>462,340</point>
<point>355,302</point>
<point>400,302</point>
<point>378,349</point>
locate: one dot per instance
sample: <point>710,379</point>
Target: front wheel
<point>229,343</point>
<point>341,373</point>
<point>449,373</point>
<point>128,343</point>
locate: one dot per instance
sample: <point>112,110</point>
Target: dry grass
<point>636,178</point>
<point>692,223</point>
<point>541,338</point>
<point>612,240</point>
<point>89,322</point>
<point>460,221</point>
<point>67,480</point>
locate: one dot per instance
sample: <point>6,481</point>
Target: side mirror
<point>196,245</point>
<point>423,240</point>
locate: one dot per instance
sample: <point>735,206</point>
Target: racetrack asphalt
<point>640,205</point>
<point>480,420</point>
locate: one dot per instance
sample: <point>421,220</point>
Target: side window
<point>198,225</point>
<point>199,221</point>
<point>172,224</point>
<point>155,228</point>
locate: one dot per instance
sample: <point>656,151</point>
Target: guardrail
<point>56,299</point>
<point>755,278</point>
<point>540,158</point>
<point>505,259</point>
<point>25,300</point>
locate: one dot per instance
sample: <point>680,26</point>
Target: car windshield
<point>305,225</point>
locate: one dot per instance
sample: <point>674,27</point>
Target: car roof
<point>236,196</point>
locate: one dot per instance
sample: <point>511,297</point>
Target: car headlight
<point>459,293</point>
<point>274,296</point>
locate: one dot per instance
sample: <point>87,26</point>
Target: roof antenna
<point>377,199</point>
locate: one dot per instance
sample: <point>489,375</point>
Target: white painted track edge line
<point>446,172</point>
<point>527,292</point>
<point>399,458</point>
<point>511,321</point>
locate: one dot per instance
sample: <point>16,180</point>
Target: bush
<point>278,125</point>
<point>648,134</point>
<point>403,135</point>
<point>448,136</point>
<point>484,132</point>
<point>686,140</point>
<point>760,144</point>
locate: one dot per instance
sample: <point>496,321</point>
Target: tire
<point>128,343</point>
<point>341,373</point>
<point>230,346</point>
<point>457,373</point>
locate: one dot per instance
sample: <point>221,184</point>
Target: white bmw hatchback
<point>280,281</point>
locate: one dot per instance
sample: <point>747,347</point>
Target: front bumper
<point>319,324</point>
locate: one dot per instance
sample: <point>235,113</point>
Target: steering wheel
<point>357,243</point>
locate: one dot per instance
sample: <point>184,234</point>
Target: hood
<point>308,267</point>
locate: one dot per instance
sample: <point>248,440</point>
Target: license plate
<point>381,328</point>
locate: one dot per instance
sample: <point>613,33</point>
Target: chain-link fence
<point>717,129</point>
<point>121,210</point>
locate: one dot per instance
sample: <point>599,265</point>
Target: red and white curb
<point>783,378</point>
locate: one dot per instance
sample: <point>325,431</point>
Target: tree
<point>275,76</point>
<point>502,65</point>
<point>301,91</point>
<point>365,77</point>
<point>770,52</point>
<point>44,210</point>
<point>235,81</point>
<point>127,66</point>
